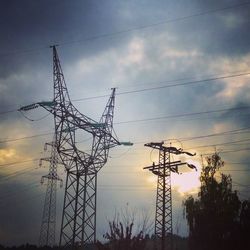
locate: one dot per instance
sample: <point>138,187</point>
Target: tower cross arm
<point>73,116</point>
<point>157,166</point>
<point>172,150</point>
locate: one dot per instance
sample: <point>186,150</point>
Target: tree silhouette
<point>120,237</point>
<point>122,234</point>
<point>216,219</point>
<point>245,224</point>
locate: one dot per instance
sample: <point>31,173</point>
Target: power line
<point>167,86</point>
<point>17,173</point>
<point>8,111</point>
<point>25,51</point>
<point>190,138</point>
<point>223,133</point>
<point>230,144</point>
<point>152,83</point>
<point>156,88</point>
<point>176,80</point>
<point>219,144</point>
<point>204,153</point>
<point>126,166</point>
<point>151,119</point>
<point>230,151</point>
<point>235,150</point>
<point>142,27</point>
<point>25,137</point>
<point>178,19</point>
<point>17,162</point>
<point>139,172</point>
<point>183,139</point>
<point>183,84</point>
<point>183,115</point>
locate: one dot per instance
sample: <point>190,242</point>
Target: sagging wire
<point>121,155</point>
<point>150,155</point>
<point>34,120</point>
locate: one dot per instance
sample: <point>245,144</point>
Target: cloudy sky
<point>181,69</point>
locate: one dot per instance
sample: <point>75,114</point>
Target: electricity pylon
<point>79,208</point>
<point>163,214</point>
<point>48,226</point>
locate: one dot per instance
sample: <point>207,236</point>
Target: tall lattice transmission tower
<point>48,226</point>
<point>163,213</point>
<point>79,207</point>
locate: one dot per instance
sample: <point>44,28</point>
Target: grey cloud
<point>3,145</point>
<point>222,32</point>
<point>239,116</point>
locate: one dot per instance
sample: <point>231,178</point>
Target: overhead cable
<point>142,27</point>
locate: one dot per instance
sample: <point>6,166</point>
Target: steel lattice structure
<point>79,208</point>
<point>163,213</point>
<point>47,232</point>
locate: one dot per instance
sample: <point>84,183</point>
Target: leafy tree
<point>213,217</point>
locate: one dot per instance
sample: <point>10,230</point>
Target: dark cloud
<point>240,114</point>
<point>3,145</point>
<point>43,22</point>
<point>31,25</point>
<point>225,31</point>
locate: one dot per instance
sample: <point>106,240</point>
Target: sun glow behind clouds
<point>152,180</point>
<point>187,182</point>
<point>6,154</point>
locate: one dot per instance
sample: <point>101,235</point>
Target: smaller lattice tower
<point>48,226</point>
<point>163,215</point>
